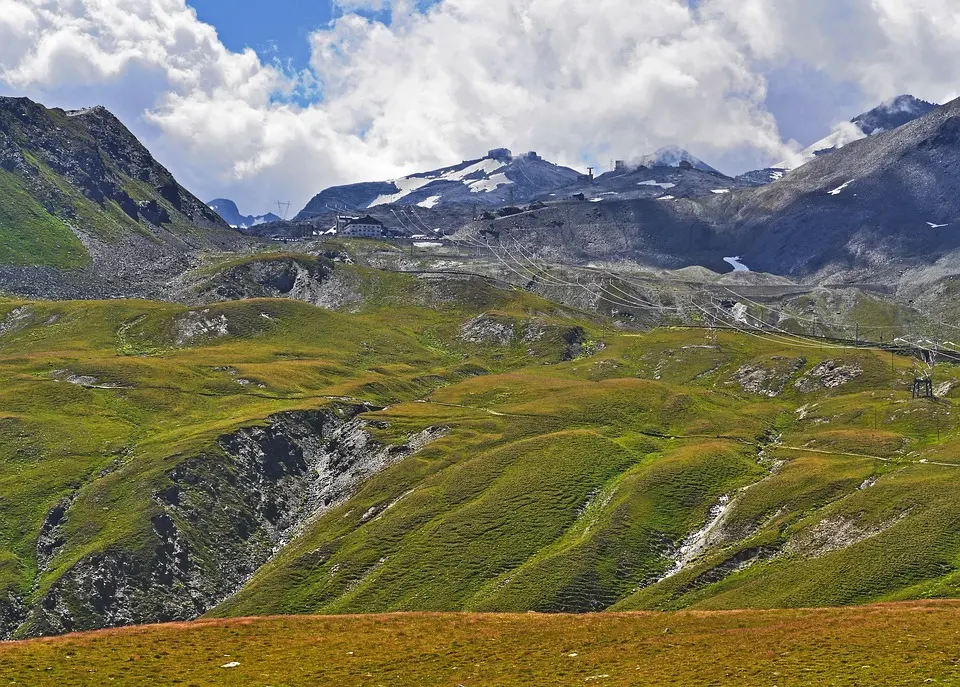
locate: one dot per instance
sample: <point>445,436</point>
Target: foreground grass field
<point>897,644</point>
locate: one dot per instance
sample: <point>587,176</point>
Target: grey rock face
<point>12,614</point>
<point>830,374</point>
<point>768,378</point>
<point>489,330</point>
<point>299,279</point>
<point>219,517</point>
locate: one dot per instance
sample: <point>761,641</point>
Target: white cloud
<point>886,47</point>
<point>576,81</point>
<point>610,77</point>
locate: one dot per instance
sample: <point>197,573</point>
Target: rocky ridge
<point>219,517</point>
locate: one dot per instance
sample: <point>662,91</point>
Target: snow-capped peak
<point>480,176</point>
<point>672,156</point>
<point>889,115</point>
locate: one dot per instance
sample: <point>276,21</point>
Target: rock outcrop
<point>219,516</point>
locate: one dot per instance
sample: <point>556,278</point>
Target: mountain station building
<point>365,227</point>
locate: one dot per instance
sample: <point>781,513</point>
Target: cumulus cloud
<point>611,77</point>
<point>886,47</point>
<point>444,80</point>
<point>876,48</point>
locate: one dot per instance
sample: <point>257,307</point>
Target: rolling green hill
<point>575,487</point>
<point>103,402</point>
<point>451,446</point>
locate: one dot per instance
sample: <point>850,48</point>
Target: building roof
<point>365,220</point>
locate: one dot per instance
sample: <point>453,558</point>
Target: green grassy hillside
<point>569,467</point>
<point>101,402</point>
<point>29,235</point>
<point>571,487</point>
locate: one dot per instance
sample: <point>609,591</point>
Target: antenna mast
<point>283,207</point>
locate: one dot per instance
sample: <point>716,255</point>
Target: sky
<point>276,29</point>
<point>263,101</point>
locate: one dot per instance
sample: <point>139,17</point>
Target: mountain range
<point>230,214</point>
<point>499,178</point>
<point>86,210</point>
<point>881,209</point>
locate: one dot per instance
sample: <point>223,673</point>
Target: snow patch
<point>662,184</point>
<point>429,203</point>
<point>847,133</point>
<point>933,225</point>
<point>407,185</point>
<point>488,166</point>
<point>491,184</point>
<point>720,191</point>
<point>667,198</point>
<point>839,189</point>
<point>736,264</point>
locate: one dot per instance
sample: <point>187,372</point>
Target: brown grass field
<point>914,643</point>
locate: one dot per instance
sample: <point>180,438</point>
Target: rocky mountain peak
<point>96,157</point>
<point>674,156</point>
<point>889,115</point>
<point>892,114</point>
<point>228,210</point>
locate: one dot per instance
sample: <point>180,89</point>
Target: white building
<point>364,227</point>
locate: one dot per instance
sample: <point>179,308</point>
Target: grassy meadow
<point>890,645</point>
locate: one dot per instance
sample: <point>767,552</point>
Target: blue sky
<point>274,28</point>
